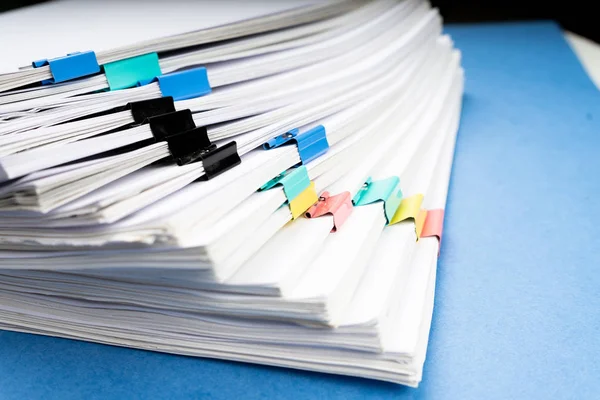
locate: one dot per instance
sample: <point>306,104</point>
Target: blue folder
<point>517,312</point>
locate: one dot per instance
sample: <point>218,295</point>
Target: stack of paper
<point>275,195</point>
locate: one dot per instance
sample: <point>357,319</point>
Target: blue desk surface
<point>517,307</point>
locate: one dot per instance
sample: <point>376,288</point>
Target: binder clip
<point>171,123</point>
<point>311,144</point>
<point>303,201</point>
<point>71,66</point>
<point>183,85</point>
<point>281,139</point>
<point>127,73</point>
<point>434,225</point>
<point>299,190</point>
<point>144,109</point>
<point>188,143</point>
<point>294,181</point>
<point>410,208</point>
<point>220,159</point>
<point>188,146</point>
<point>340,206</point>
<point>385,190</point>
<point>420,223</point>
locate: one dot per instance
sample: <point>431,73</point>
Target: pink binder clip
<point>434,225</point>
<point>340,206</point>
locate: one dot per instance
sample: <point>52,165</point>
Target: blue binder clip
<point>311,144</point>
<point>183,85</point>
<point>71,66</point>
<point>385,190</point>
<point>281,139</point>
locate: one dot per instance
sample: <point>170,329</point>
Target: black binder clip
<point>187,147</point>
<point>171,124</point>
<point>144,109</point>
<point>220,159</point>
<point>188,143</point>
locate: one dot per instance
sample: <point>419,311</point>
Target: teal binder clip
<point>294,182</point>
<point>127,73</point>
<point>385,190</point>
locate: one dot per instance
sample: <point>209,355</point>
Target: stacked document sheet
<point>270,190</point>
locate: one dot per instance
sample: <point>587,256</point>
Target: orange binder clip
<point>340,206</point>
<point>420,222</point>
<point>434,225</point>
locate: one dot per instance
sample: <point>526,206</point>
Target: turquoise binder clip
<point>127,73</point>
<point>294,182</point>
<point>385,190</point>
